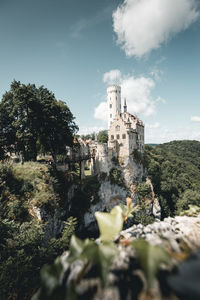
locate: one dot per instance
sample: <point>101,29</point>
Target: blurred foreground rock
<point>179,236</point>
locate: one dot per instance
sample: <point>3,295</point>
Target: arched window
<point>112,137</point>
<point>118,136</point>
<point>117,128</point>
<point>124,136</point>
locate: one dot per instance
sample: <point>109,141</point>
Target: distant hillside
<point>174,169</point>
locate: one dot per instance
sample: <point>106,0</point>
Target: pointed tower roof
<point>125,106</point>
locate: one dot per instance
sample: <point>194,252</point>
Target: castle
<point>125,131</point>
<point>125,135</point>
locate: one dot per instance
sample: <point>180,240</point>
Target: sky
<point>76,48</point>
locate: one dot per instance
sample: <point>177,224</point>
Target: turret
<point>114,102</point>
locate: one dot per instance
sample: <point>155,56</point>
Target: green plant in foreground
<point>99,253</point>
<point>150,258</point>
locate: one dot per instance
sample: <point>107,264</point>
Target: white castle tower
<point>114,102</point>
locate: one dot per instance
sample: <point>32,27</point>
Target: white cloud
<point>87,130</point>
<point>101,112</point>
<point>153,126</point>
<point>144,25</point>
<point>164,135</point>
<point>195,119</point>
<point>136,90</point>
<point>112,76</point>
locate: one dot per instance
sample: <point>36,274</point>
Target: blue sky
<point>68,46</point>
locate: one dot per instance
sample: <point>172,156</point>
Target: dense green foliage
<point>115,177</point>
<point>88,136</point>
<point>102,136</point>
<point>174,169</point>
<point>144,191</point>
<point>24,244</point>
<point>32,120</point>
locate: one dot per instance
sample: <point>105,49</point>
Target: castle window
<point>117,128</point>
<point>110,115</point>
<point>112,137</point>
<point>118,136</point>
<point>123,136</point>
<point>110,105</point>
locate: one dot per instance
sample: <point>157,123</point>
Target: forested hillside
<point>174,169</point>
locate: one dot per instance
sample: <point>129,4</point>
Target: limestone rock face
<point>132,171</point>
<point>112,194</point>
<point>109,196</point>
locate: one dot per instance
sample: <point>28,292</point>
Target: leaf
<point>150,259</point>
<point>51,284</point>
<point>102,256</point>
<point>76,248</point>
<point>110,224</point>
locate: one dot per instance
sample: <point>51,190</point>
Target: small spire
<point>125,106</point>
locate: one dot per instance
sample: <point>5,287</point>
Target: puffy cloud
<point>195,118</point>
<point>136,90</point>
<point>112,76</point>
<point>101,112</point>
<point>144,25</point>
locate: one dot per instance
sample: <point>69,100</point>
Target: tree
<point>32,120</point>
<point>88,136</point>
<point>102,136</point>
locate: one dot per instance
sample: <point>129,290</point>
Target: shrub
<point>115,177</point>
<point>17,211</point>
<point>102,136</point>
<point>144,190</point>
<point>189,197</point>
<point>143,218</point>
